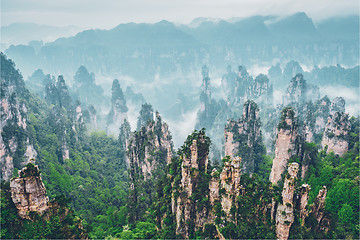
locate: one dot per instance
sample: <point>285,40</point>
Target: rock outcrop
<point>296,91</point>
<point>214,186</point>
<point>285,211</point>
<point>28,194</point>
<point>230,182</point>
<point>317,209</point>
<point>243,138</point>
<point>86,89</point>
<point>321,114</point>
<point>261,91</point>
<point>28,191</point>
<point>208,107</point>
<point>304,198</point>
<point>337,105</point>
<point>149,150</point>
<point>205,86</point>
<point>242,85</point>
<point>188,210</point>
<point>150,147</point>
<point>118,111</point>
<point>336,133</point>
<point>15,149</point>
<point>288,143</point>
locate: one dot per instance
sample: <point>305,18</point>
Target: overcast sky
<point>109,13</point>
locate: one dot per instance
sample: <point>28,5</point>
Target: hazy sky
<point>109,13</point>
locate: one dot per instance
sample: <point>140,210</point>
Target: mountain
<point>344,28</point>
<point>23,33</point>
<point>143,51</point>
<point>298,27</point>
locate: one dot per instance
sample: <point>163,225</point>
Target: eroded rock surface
<point>287,145</point>
<point>230,182</point>
<point>15,149</point>
<point>285,212</point>
<point>243,136</point>
<point>28,191</point>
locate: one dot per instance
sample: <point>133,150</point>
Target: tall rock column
<point>243,138</point>
<point>304,198</point>
<point>15,149</point>
<point>336,132</point>
<point>317,209</point>
<point>148,151</point>
<point>230,182</point>
<point>296,91</point>
<point>190,211</point>
<point>287,145</point>
<point>118,111</point>
<point>285,211</point>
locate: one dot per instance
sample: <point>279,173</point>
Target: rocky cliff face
<point>336,133</point>
<point>243,138</point>
<point>148,152</point>
<point>296,91</point>
<point>188,209</point>
<point>61,111</point>
<point>287,145</point>
<point>150,147</point>
<point>240,86</point>
<point>28,191</point>
<point>304,198</point>
<point>321,114</point>
<point>205,86</point>
<point>243,84</point>
<point>230,182</point>
<point>337,105</point>
<point>28,194</point>
<point>15,149</point>
<point>261,91</point>
<point>285,211</point>
<point>317,209</point>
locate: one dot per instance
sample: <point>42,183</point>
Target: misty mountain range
<point>143,51</point>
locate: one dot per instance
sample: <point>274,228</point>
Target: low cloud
<point>182,127</point>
